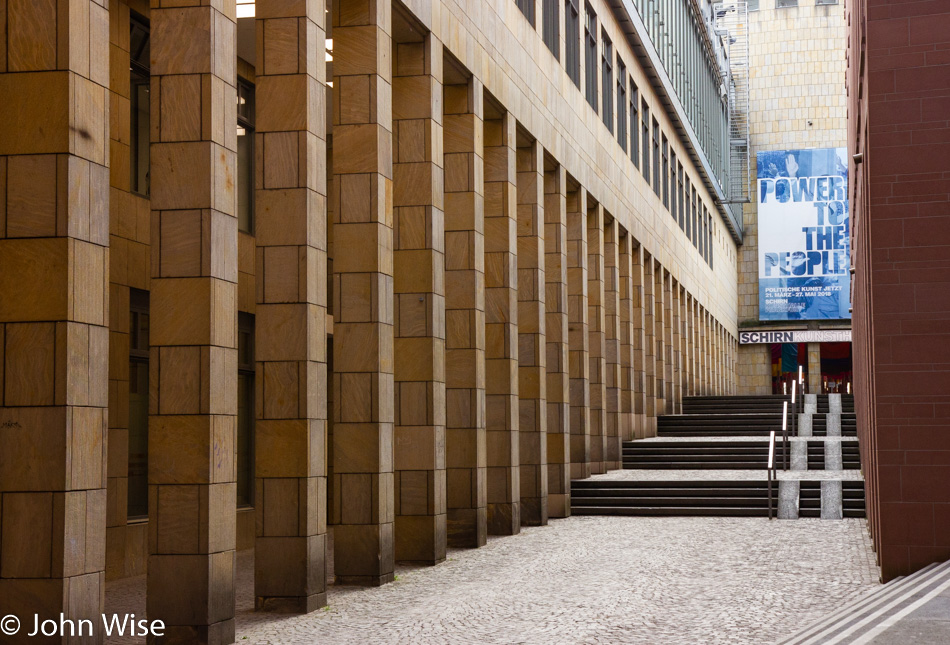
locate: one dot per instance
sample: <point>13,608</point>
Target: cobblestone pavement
<point>647,580</point>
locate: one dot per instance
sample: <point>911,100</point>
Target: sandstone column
<point>628,392</point>
<point>363,388</point>
<point>650,302</point>
<point>676,366</point>
<point>465,447</point>
<point>532,346</point>
<point>596,316</point>
<point>54,310</point>
<point>701,358</point>
<point>640,345</point>
<point>697,350</point>
<point>501,326</point>
<point>290,320</point>
<point>556,327</point>
<point>668,344</point>
<point>419,287</point>
<point>691,323</point>
<point>684,341</point>
<point>612,343</point>
<point>717,356</point>
<point>659,320</point>
<point>129,224</point>
<point>578,332</point>
<point>193,360</point>
<point>707,353</point>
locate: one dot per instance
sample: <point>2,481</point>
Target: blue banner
<point>803,235</point>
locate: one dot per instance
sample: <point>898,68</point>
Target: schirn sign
<point>801,336</point>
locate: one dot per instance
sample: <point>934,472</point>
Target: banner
<point>804,235</point>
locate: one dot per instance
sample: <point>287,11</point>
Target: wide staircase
<point>719,435</point>
<point>913,609</point>
<point>670,498</point>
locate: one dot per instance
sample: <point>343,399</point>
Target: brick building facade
<point>898,128</point>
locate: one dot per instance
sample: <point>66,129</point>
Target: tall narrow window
<point>138,404</point>
<point>694,209</point>
<point>245,413</point>
<point>645,130</point>
<point>607,81</point>
<point>657,169</point>
<point>666,175</point>
<point>527,8</point>
<point>572,41</point>
<point>590,56</point>
<point>680,197</point>
<point>689,207</point>
<point>674,195</point>
<point>551,26</point>
<point>705,233</point>
<point>622,104</point>
<point>712,245</point>
<point>139,103</point>
<point>634,123</point>
<point>245,145</point>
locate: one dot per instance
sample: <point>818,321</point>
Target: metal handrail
<point>785,434</point>
<point>771,468</point>
<point>794,411</point>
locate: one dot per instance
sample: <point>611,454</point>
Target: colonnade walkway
<point>657,580</point>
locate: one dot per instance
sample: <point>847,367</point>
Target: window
<point>657,170</point>
<point>138,404</point>
<point>645,112</point>
<point>817,3</point>
<point>712,247</point>
<point>572,36</point>
<point>701,231</point>
<point>634,123</point>
<point>666,175</point>
<point>550,26</point>
<point>527,8</point>
<point>590,57</point>
<point>245,413</point>
<point>245,149</point>
<point>753,5</point>
<point>607,74</point>
<point>622,104</point>
<point>674,191</point>
<point>705,233</point>
<point>680,197</point>
<point>139,103</point>
<point>689,201</point>
<point>693,209</point>
<point>782,4</point>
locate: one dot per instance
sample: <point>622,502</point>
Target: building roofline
<point>632,25</point>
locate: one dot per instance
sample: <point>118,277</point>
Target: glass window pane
<point>138,439</point>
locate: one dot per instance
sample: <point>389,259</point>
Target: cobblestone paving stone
<point>656,581</point>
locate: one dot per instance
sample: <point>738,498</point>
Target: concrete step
<point>670,498</point>
<point>863,620</point>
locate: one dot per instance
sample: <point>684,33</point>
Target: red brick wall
<point>899,119</point>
